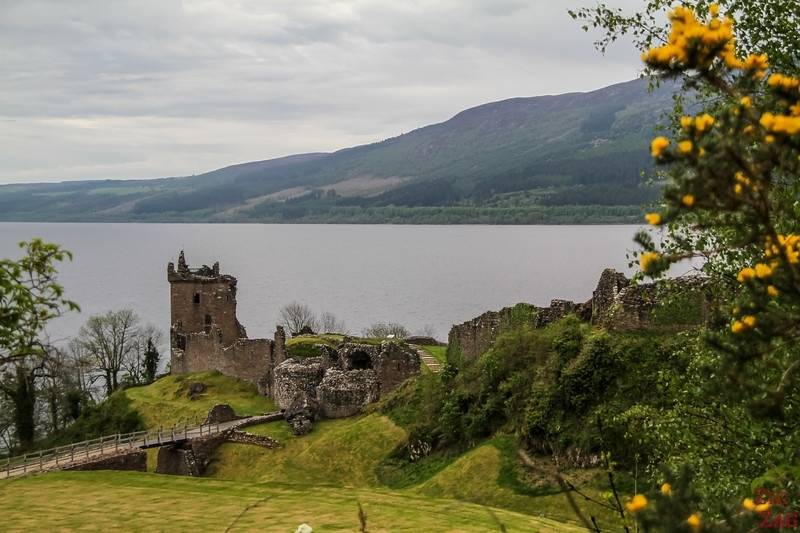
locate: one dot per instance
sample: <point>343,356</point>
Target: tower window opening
<point>196,298</point>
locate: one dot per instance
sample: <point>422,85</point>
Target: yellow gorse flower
<point>654,219</point>
<point>773,291</point>
<point>666,489</point>
<point>787,247</point>
<point>789,125</point>
<point>703,122</point>
<point>647,260</point>
<point>688,200</point>
<point>747,323</point>
<point>638,503</point>
<point>748,504</point>
<point>741,178</point>
<point>693,44</point>
<point>761,507</point>
<point>763,271</point>
<point>757,63</point>
<point>785,83</point>
<point>694,521</point>
<point>746,274</point>
<point>685,147</point>
<point>658,146</point>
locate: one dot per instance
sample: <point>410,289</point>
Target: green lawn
<point>167,401</point>
<point>127,501</point>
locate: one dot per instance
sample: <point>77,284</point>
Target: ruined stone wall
<point>247,359</point>
<point>469,340</point>
<point>295,376</point>
<point>342,394</point>
<point>279,347</point>
<point>671,306</point>
<point>393,364</point>
<point>605,295</point>
<point>616,304</point>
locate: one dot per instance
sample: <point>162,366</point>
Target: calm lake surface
<point>412,275</point>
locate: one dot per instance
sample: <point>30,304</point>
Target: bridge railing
<point>84,451</point>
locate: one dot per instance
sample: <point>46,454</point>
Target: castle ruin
<point>205,334</point>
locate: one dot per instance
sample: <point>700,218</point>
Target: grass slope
<point>167,401</point>
<point>343,452</point>
<point>351,452</point>
<point>475,477</point>
<point>106,501</point>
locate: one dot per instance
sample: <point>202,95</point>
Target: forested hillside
<point>575,157</point>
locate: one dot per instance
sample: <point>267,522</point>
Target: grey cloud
<point>100,89</point>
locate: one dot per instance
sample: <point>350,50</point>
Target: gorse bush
<point>731,198</point>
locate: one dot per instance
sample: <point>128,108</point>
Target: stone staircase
<point>430,361</point>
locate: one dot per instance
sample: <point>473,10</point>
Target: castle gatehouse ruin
<point>205,334</point>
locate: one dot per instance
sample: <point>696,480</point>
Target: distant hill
<point>574,157</point>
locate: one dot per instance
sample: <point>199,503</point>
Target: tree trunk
<point>24,398</point>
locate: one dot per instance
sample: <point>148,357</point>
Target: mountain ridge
<point>519,157</point>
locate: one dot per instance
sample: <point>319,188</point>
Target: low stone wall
<point>136,461</point>
<point>243,437</point>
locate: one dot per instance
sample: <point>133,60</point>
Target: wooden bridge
<point>89,451</point>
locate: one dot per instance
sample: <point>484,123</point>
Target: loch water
<point>417,276</point>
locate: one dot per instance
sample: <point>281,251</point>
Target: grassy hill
<point>566,158</point>
<point>318,479</point>
<point>168,401</point>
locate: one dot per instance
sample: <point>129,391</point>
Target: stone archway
<point>359,360</point>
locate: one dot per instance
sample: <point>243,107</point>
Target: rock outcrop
<point>220,413</point>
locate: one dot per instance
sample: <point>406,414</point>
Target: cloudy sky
<point>153,88</point>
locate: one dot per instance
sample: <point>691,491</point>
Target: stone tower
<point>201,300</point>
